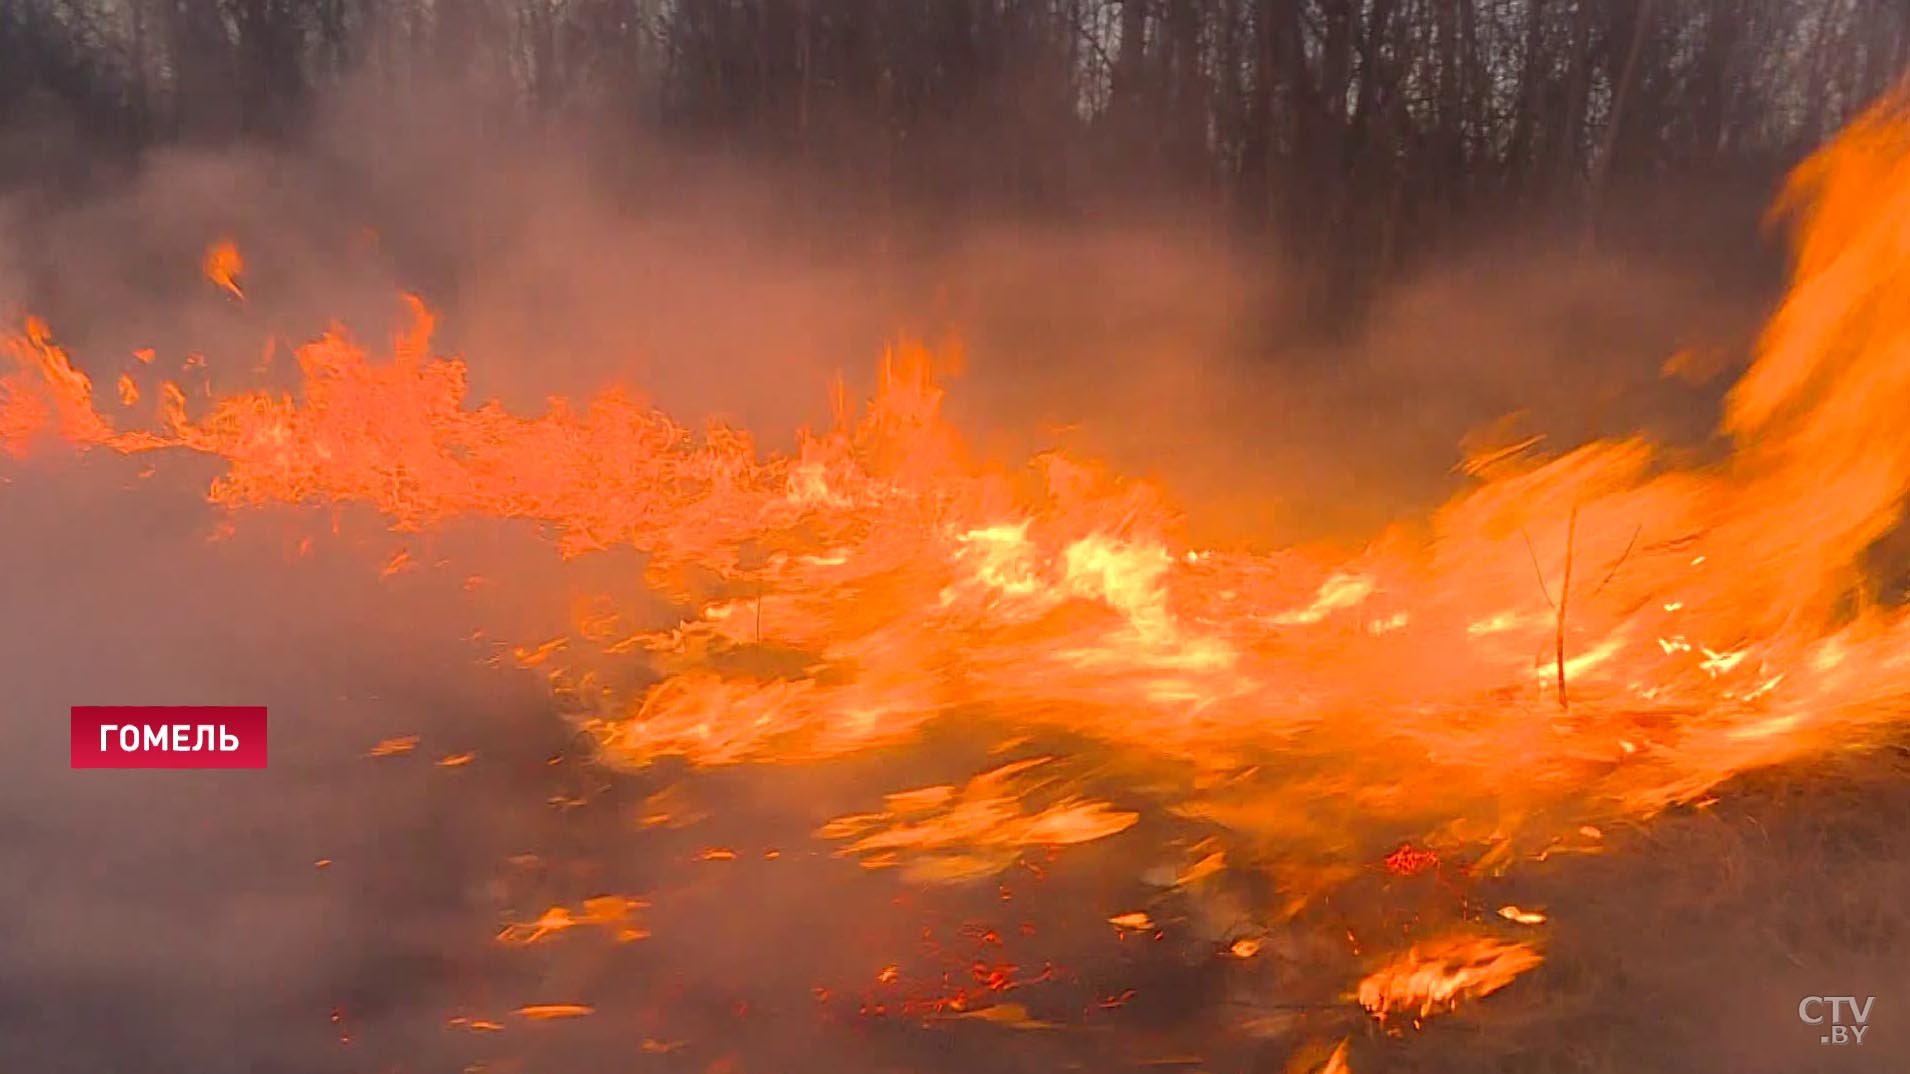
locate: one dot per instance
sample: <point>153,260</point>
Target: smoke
<point>180,921</point>
<point>564,261</point>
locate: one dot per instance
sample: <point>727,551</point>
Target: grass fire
<point>909,734</point>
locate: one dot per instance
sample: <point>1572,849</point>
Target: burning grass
<point>1311,758</point>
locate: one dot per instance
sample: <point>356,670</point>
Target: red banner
<point>168,736</point>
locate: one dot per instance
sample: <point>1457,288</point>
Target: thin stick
<point>1623,556</point>
<point>1538,571</point>
<point>1565,586</point>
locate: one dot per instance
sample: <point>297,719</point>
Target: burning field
<point>883,753</point>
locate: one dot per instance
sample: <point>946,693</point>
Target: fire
<point>977,830</point>
<point>1523,917</point>
<point>1440,974</point>
<point>223,265</point>
<point>614,913</point>
<point>1593,636</point>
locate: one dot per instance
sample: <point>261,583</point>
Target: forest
<point>1353,135</point>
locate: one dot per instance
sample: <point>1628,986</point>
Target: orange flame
<point>1700,616</point>
<point>951,834</point>
<point>544,1012</point>
<point>223,266</point>
<point>1442,974</point>
<point>1595,635</point>
<point>616,913</point>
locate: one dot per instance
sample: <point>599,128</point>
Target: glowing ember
<point>544,1012</point>
<point>1523,917</point>
<point>1011,1015</point>
<point>1407,861</point>
<point>391,747</point>
<point>481,1025</point>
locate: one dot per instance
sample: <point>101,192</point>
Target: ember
<point>1407,861</point>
